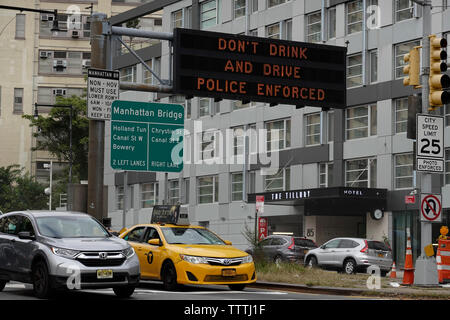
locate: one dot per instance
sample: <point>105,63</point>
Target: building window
<point>280,30</point>
<point>149,194</point>
<point>403,170</point>
<point>361,122</point>
<point>279,181</point>
<point>238,140</point>
<point>332,23</point>
<point>237,105</point>
<point>174,191</point>
<point>204,107</point>
<point>236,186</point>
<point>18,100</point>
<point>273,31</point>
<point>20,26</point>
<point>447,166</point>
<point>404,10</point>
<point>208,14</point>
<point>313,27</point>
<point>400,50</point>
<point>208,189</point>
<point>119,197</point>
<point>373,56</point>
<point>361,173</point>
<point>312,129</point>
<point>128,74</point>
<point>273,3</point>
<point>177,19</point>
<point>239,8</point>
<point>210,144</point>
<point>330,127</point>
<point>401,115</point>
<point>325,174</point>
<point>354,70</point>
<point>278,134</point>
<point>254,6</point>
<point>354,16</point>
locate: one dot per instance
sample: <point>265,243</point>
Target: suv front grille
<point>101,259</point>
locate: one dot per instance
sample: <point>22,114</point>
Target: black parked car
<point>278,248</point>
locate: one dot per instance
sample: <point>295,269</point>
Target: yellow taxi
<point>175,252</point>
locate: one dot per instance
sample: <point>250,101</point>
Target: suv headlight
<point>193,259</point>
<point>247,259</point>
<point>128,252</point>
<point>66,253</point>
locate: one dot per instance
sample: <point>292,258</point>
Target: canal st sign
<point>147,136</point>
<point>238,67</point>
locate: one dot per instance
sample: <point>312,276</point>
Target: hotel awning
<point>334,201</point>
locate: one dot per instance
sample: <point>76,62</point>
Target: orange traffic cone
<point>393,271</point>
<point>408,274</point>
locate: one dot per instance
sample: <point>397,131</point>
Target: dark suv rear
<point>279,248</point>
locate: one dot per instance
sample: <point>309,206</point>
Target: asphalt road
<point>154,291</point>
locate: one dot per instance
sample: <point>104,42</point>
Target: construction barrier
<point>408,270</point>
<point>443,260</point>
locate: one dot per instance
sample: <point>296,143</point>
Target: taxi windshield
<point>190,236</point>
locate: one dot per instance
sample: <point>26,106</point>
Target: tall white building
<point>336,167</point>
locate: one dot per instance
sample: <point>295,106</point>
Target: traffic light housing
<point>438,82</point>
<point>412,68</point>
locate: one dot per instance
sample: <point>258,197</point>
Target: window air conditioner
<point>75,33</point>
<point>45,54</point>
<point>86,63</point>
<point>44,17</point>
<point>59,92</point>
<point>59,63</point>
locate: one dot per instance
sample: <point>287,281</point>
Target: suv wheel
<point>169,277</point>
<point>349,266</point>
<point>124,292</point>
<point>2,284</point>
<point>311,262</point>
<point>41,280</point>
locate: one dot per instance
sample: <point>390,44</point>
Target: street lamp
<point>36,114</point>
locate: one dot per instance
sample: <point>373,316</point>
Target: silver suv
<point>57,250</point>
<point>351,255</point>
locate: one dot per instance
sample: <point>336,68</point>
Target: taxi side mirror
<point>154,242</point>
<point>228,243</point>
<point>123,230</point>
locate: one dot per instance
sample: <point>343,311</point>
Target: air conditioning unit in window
<point>59,64</point>
<point>50,17</point>
<point>59,92</point>
<point>75,33</point>
<point>45,54</point>
<point>86,63</point>
<point>44,17</point>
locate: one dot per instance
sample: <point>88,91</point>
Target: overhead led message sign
<point>238,67</point>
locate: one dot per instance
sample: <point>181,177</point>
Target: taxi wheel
<point>169,276</point>
<point>236,287</point>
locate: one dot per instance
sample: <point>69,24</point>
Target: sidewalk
<point>391,288</point>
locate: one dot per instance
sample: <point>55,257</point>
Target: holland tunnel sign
<point>238,67</point>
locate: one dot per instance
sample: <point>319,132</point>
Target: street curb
<point>411,292</point>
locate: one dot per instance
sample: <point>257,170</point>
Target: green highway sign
<point>147,136</point>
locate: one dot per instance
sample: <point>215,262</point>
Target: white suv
<point>351,255</point>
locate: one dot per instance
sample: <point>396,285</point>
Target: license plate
<point>104,274</point>
<point>228,272</point>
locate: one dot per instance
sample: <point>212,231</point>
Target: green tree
<point>54,135</point>
<point>19,191</point>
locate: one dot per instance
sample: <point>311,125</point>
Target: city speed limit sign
<point>430,143</point>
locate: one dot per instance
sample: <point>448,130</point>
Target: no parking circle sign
<point>431,207</point>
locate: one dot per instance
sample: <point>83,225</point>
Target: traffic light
<point>438,81</point>
<point>412,68</point>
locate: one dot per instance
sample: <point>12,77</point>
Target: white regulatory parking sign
<point>103,89</point>
<point>430,143</point>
